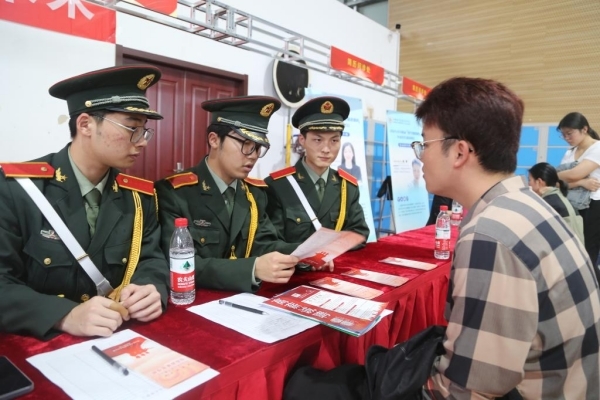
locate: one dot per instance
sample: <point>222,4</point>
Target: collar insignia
<point>300,176</point>
<point>49,234</point>
<point>205,187</point>
<point>333,178</point>
<point>59,176</point>
<point>115,187</point>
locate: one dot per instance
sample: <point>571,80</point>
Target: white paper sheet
<point>83,374</point>
<point>268,328</point>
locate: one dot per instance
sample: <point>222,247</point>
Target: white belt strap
<point>102,284</point>
<point>304,201</point>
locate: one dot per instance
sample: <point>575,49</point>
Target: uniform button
<point>88,103</point>
<point>44,169</point>
<point>298,220</point>
<point>125,180</point>
<point>47,261</point>
<point>85,297</point>
<point>202,240</point>
<point>124,260</point>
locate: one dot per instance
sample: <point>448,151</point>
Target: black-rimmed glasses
<point>419,147</point>
<point>136,133</point>
<point>249,147</point>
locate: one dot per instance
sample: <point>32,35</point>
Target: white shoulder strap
<point>102,284</point>
<point>304,201</point>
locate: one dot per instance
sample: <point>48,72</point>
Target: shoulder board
<point>184,179</point>
<point>27,170</point>
<point>283,172</point>
<point>135,183</point>
<point>347,176</point>
<point>255,182</point>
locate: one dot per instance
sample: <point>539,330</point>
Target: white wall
<point>40,58</point>
<point>33,122</point>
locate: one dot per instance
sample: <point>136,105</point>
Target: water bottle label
<point>442,244</point>
<point>182,275</point>
<point>456,216</point>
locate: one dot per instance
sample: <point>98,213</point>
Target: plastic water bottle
<point>442,235</point>
<point>457,213</point>
<point>181,252</point>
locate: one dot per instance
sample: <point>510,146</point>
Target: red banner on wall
<point>342,61</point>
<point>73,17</point>
<point>414,89</point>
<point>168,7</point>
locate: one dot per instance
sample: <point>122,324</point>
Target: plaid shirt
<point>523,306</point>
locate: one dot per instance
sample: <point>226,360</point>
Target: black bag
<point>401,372</point>
<point>397,373</point>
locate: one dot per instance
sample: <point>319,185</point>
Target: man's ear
<point>301,139</point>
<point>462,153</point>
<point>213,140</point>
<point>84,124</point>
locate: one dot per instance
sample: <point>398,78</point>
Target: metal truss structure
<point>215,20</point>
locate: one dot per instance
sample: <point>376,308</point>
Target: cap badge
<point>145,82</point>
<point>267,110</point>
<point>59,176</point>
<point>327,108</point>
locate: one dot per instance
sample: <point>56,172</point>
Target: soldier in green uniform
<point>109,219</point>
<point>332,195</point>
<point>236,245</point>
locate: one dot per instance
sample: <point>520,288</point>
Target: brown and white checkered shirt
<point>523,306</point>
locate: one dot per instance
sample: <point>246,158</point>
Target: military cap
<point>121,89</point>
<point>248,116</point>
<point>326,114</point>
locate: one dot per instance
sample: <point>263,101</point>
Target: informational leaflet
<point>326,244</point>
<point>349,288</point>
<point>379,277</point>
<point>155,372</point>
<point>403,262</point>
<point>345,313</point>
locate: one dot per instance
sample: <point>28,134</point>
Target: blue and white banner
<point>410,204</point>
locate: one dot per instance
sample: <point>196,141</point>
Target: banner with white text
<point>411,200</point>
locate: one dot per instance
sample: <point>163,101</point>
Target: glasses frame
<point>421,145</point>
<point>146,133</point>
<point>256,147</point>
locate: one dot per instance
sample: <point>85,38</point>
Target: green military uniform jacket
<point>194,195</point>
<point>40,280</point>
<point>288,214</point>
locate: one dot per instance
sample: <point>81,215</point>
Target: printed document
<point>155,371</point>
<point>270,327</point>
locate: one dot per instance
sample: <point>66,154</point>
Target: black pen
<point>111,361</point>
<point>253,310</point>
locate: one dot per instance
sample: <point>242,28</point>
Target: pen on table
<point>253,310</point>
<point>111,361</point>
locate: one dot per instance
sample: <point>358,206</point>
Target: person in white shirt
<point>585,149</point>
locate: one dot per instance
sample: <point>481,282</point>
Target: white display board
<point>410,204</point>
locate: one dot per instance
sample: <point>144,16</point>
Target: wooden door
<point>181,136</point>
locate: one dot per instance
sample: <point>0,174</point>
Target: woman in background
<point>543,180</point>
<point>585,149</point>
<point>349,161</point>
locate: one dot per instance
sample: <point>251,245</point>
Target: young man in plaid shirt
<point>523,305</point>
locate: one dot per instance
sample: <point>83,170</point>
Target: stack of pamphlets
<point>348,314</point>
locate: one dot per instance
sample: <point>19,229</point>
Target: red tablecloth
<point>250,369</point>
